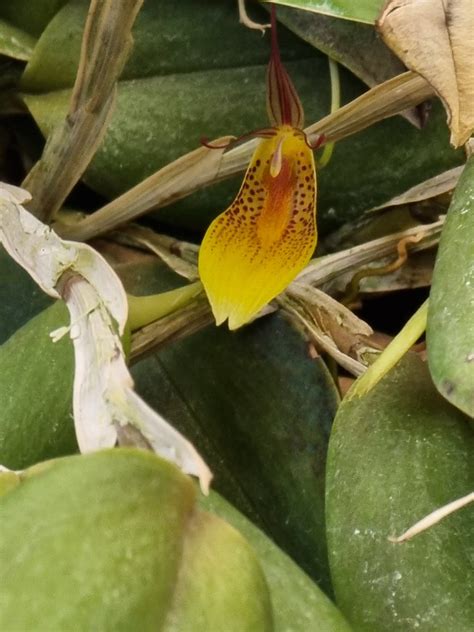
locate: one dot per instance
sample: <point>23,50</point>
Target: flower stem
<point>397,348</point>
<point>143,310</point>
<point>335,105</point>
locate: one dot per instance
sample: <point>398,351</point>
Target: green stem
<point>402,342</point>
<point>335,105</point>
<point>143,310</point>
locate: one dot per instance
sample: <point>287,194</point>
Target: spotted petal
<point>253,250</point>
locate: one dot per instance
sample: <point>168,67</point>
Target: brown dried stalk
<point>329,324</point>
<point>180,324</point>
<point>203,166</point>
<point>106,44</point>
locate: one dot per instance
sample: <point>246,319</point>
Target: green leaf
<point>450,331</point>
<point>36,392</point>
<point>171,96</point>
<point>31,17</point>
<point>357,10</point>
<point>20,297</point>
<point>298,604</point>
<point>168,40</point>
<point>395,455</point>
<point>113,541</point>
<point>259,410</point>
<point>14,42</point>
<point>356,46</point>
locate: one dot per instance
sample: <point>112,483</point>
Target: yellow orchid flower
<point>255,248</point>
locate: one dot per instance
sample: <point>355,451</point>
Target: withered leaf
<point>434,38</point>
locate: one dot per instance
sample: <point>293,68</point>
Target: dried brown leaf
<point>331,327</point>
<point>202,167</point>
<point>437,185</point>
<point>435,39</point>
<point>106,43</point>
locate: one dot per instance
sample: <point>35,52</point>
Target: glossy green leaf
<point>200,87</point>
<point>113,541</point>
<point>168,40</point>
<point>36,392</point>
<point>14,42</point>
<point>20,297</point>
<point>395,455</point>
<point>357,10</point>
<point>31,17</point>
<point>298,604</point>
<point>450,331</point>
<point>259,410</point>
<point>356,46</point>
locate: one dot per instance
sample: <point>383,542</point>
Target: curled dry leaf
<point>332,272</point>
<point>324,270</point>
<point>104,400</point>
<point>437,185</point>
<point>414,272</point>
<point>181,324</point>
<point>434,38</point>
<point>247,21</point>
<point>171,251</point>
<point>106,43</point>
<point>330,325</point>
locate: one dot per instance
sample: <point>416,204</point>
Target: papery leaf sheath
<point>259,244</point>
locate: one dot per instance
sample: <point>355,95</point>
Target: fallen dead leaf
<point>437,185</point>
<point>435,39</point>
<point>330,326</point>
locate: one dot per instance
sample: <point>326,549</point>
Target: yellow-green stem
<point>392,354</point>
<point>143,310</point>
<point>335,105</point>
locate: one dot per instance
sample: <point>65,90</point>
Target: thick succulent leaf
<point>206,91</point>
<point>36,391</point>
<point>356,46</point>
<point>31,17</point>
<point>450,331</point>
<point>168,40</point>
<point>298,604</point>
<point>357,10</point>
<point>14,42</point>
<point>259,409</point>
<point>20,297</point>
<point>113,541</point>
<point>395,455</point>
